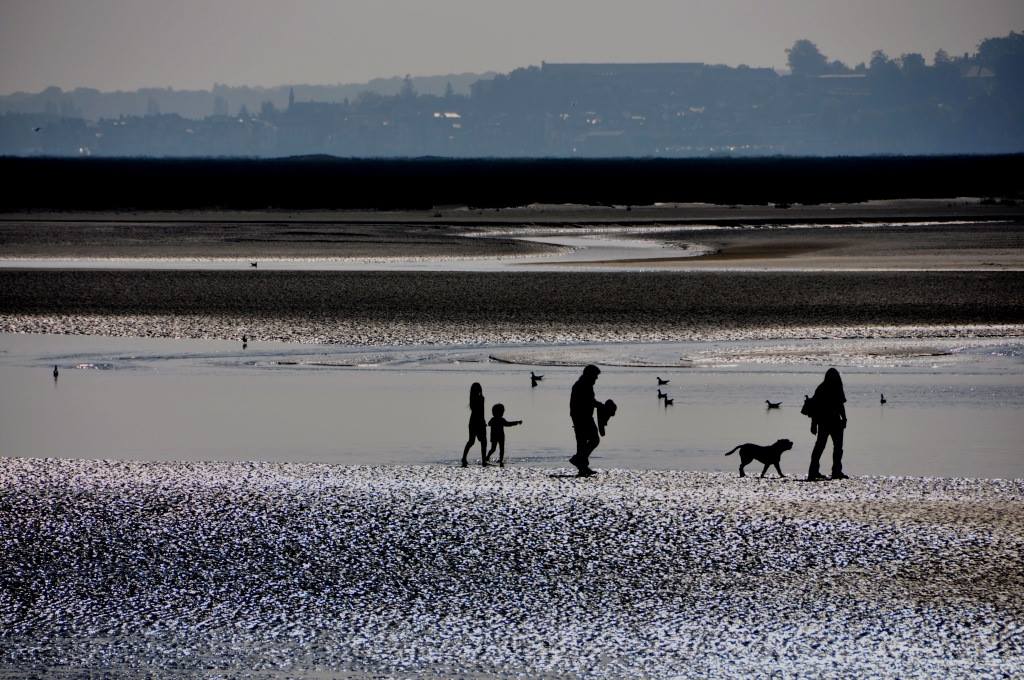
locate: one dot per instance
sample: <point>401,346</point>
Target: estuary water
<point>953,407</point>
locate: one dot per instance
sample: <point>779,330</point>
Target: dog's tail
<point>729,453</point>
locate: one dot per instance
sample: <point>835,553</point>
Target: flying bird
<point>534,376</point>
<point>663,382</point>
<point>773,404</point>
<point>662,395</point>
<point>254,264</point>
<point>669,402</point>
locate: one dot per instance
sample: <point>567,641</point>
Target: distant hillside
<point>93,104</point>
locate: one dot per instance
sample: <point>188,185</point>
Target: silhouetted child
<point>498,425</point>
<point>604,413</point>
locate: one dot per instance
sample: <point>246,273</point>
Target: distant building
<point>626,70</point>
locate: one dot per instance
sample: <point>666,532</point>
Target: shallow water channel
<point>576,247</point>
<point>954,413</point>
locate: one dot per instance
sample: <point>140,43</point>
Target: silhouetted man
<point>581,409</point>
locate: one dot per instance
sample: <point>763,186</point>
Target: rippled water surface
<point>953,406</point>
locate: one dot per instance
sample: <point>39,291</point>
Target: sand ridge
<point>397,308</point>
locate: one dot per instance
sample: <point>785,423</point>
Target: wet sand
<point>298,570</point>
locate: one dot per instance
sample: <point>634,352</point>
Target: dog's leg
<point>779,470</point>
<point>766,466</point>
<point>743,464</point>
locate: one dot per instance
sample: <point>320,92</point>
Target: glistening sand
<point>289,570</point>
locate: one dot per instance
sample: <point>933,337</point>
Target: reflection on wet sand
<point>797,246</point>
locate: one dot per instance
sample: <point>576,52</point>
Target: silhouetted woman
<point>829,421</point>
<point>477,424</point>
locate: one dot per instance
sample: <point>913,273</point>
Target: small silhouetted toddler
<point>498,425</point>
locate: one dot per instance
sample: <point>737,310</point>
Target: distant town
<point>970,103</point>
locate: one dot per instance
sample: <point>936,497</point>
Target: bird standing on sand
<point>245,341</point>
<point>662,382</point>
<point>773,404</point>
<point>882,400</point>
<point>55,373</point>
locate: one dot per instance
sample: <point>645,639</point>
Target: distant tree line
<point>970,103</point>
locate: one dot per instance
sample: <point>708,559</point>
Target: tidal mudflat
<point>297,570</point>
<point>878,236</point>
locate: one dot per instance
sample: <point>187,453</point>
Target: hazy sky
<point>125,44</point>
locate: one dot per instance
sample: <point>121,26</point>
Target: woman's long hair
<point>833,384</point>
<point>476,390</point>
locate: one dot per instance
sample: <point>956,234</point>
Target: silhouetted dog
<point>769,455</point>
